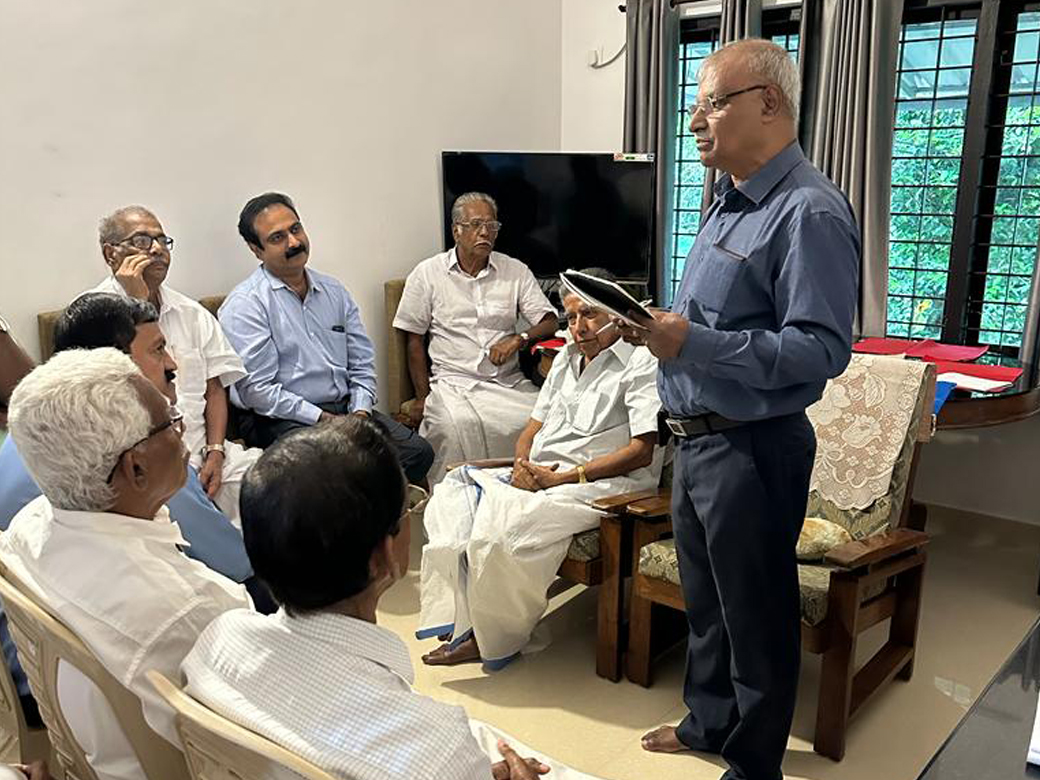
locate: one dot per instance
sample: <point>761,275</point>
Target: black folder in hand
<point>606,295</point>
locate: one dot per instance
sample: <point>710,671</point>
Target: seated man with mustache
<point>301,337</point>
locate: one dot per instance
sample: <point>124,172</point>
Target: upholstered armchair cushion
<point>818,537</point>
<point>584,546</point>
<point>658,560</point>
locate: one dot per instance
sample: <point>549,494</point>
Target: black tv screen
<point>561,210</point>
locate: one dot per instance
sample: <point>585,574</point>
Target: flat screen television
<point>562,210</point>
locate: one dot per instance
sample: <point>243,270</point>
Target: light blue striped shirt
<point>298,354</point>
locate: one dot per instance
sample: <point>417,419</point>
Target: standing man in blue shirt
<point>762,318</point>
<point>300,335</point>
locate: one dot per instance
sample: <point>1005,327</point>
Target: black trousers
<point>415,452</point>
<point>738,503</point>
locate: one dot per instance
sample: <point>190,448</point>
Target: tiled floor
<point>979,601</point>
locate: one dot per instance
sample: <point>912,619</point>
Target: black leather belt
<point>701,425</point>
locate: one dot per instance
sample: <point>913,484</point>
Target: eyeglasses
<point>479,224</point>
<point>713,103</point>
<point>176,422</point>
<point>144,241</point>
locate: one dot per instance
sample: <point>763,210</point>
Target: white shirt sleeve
<point>415,311</point>
<point>221,359</point>
<point>550,388</point>
<point>532,302</point>
<point>641,397</point>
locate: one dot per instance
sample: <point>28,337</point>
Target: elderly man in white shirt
<point>98,547</point>
<point>468,301</point>
<point>137,251</point>
<point>322,515</point>
<point>497,536</point>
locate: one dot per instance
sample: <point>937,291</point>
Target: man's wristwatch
<point>207,449</point>
<point>526,339</point>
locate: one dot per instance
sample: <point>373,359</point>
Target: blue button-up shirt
<point>770,289</point>
<point>210,536</point>
<point>298,354</point>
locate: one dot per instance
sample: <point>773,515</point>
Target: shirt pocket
<point>596,411</point>
<point>191,372</point>
<point>714,277</point>
<point>496,315</point>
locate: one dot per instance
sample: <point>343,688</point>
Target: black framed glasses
<point>176,422</point>
<point>713,103</point>
<point>144,241</point>
<point>493,226</point>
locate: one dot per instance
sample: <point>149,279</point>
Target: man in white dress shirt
<point>137,251</point>
<point>323,525</point>
<point>497,536</point>
<point>468,300</point>
<point>98,547</point>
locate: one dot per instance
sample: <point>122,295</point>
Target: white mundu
<point>338,691</point>
<point>494,549</point>
<point>202,352</point>
<point>475,409</point>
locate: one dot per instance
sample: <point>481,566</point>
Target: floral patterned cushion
<point>818,537</point>
<point>584,546</point>
<point>659,561</point>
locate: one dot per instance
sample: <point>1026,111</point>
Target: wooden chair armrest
<point>619,503</point>
<point>486,463</point>
<point>658,505</point>
<point>877,548</point>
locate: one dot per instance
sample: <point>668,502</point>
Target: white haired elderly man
<point>497,536</point>
<point>138,253</point>
<point>98,547</point>
<point>762,318</point>
<point>468,300</point>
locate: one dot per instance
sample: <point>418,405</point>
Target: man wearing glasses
<point>762,318</point>
<point>98,548</point>
<point>468,301</point>
<point>137,251</point>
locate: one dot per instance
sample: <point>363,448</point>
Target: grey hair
<point>71,419</point>
<point>471,197</point>
<point>770,63</point>
<point>110,228</point>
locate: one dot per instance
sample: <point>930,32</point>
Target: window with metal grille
<point>699,38</point>
<point>965,172</point>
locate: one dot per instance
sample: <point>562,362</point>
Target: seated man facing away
<point>137,252</point>
<point>130,325</point>
<point>497,536</point>
<point>468,300</point>
<point>323,524</point>
<point>300,334</point>
<point>98,548</point>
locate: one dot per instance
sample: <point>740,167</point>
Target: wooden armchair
<point>870,424</point>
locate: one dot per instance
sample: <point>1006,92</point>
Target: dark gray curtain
<point>848,64</point>
<point>651,109</point>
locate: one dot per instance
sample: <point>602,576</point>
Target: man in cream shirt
<point>98,547</point>
<point>468,300</point>
<point>137,251</point>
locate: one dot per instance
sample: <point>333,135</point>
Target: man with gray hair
<point>138,252</point>
<point>98,548</point>
<point>468,301</point>
<point>762,318</point>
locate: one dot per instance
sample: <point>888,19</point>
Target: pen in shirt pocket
<point>338,329</point>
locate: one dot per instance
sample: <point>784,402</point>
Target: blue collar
<point>765,178</point>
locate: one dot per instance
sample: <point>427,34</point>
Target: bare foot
<point>446,655</point>
<point>663,739</point>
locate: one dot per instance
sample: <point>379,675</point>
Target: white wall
<point>593,99</point>
<point>191,107</point>
<point>992,471</point>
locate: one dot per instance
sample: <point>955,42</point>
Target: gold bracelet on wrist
<point>582,479</point>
